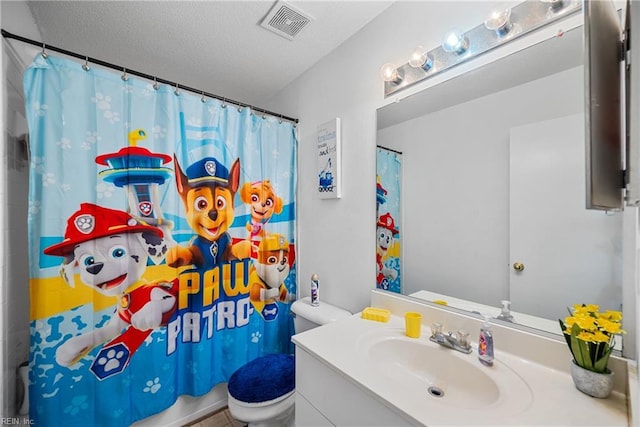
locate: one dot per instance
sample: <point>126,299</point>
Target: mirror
<point>493,190</point>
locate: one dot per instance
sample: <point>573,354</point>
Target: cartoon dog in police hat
<point>207,190</point>
<point>266,280</point>
<point>386,232</point>
<point>109,249</point>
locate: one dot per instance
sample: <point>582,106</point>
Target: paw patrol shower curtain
<point>161,243</point>
<point>388,233</point>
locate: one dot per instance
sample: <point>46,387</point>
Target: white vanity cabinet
<point>358,372</point>
<point>325,397</point>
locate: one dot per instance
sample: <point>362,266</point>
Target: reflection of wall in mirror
<point>456,186</point>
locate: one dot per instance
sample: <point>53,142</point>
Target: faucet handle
<point>436,328</point>
<point>463,338</point>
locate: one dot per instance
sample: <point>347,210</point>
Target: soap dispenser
<point>485,344</point>
<point>505,313</point>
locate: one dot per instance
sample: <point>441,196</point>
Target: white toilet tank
<point>308,316</point>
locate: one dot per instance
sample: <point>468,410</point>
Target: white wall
<point>337,237</point>
<point>14,289</point>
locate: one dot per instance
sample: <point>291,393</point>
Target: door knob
<point>518,266</point>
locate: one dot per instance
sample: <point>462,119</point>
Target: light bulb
<point>390,73</point>
<point>554,5</point>
<point>421,59</point>
<point>455,42</point>
<point>499,21</point>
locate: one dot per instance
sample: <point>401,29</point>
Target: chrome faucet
<point>459,341</point>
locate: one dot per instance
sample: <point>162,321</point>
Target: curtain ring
<point>280,121</point>
<point>224,103</point>
<point>203,99</point>
<point>124,75</point>
<point>43,53</point>
<point>264,117</point>
<point>86,66</point>
<point>239,108</point>
<point>177,90</point>
<point>156,86</point>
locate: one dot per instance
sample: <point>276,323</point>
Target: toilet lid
<point>265,378</point>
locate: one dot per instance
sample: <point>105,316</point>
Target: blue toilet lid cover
<point>263,379</point>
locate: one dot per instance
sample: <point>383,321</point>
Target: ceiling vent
<point>285,20</point>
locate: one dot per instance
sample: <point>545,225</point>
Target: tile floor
<point>222,418</point>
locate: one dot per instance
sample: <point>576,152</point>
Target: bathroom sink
<point>363,372</point>
<point>444,376</point>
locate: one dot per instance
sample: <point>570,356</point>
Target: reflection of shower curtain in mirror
<point>388,219</point>
<point>153,272</point>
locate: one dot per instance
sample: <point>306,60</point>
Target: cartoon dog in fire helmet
<point>386,232</point>
<point>110,249</point>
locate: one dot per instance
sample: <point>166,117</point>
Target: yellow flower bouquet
<point>590,335</point>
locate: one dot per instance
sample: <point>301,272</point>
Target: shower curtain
<point>161,243</point>
<point>388,232</point>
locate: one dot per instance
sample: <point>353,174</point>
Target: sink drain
<point>435,391</point>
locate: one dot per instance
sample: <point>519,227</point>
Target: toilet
<point>262,392</point>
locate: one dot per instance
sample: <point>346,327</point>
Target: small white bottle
<point>315,296</point>
<point>485,344</point>
<point>505,312</point>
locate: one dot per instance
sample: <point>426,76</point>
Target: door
<point>568,253</point>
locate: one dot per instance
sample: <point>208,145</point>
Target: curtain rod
<point>8,35</point>
<point>389,149</point>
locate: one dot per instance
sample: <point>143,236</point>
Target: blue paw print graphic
<point>110,361</point>
<point>255,337</point>
<point>77,404</point>
<point>152,386</point>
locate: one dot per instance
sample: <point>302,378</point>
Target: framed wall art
<point>329,165</point>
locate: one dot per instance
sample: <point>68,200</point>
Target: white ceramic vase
<point>592,383</point>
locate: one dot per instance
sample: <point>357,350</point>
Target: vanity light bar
<point>520,20</point>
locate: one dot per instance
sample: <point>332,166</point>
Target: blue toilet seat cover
<point>265,378</point>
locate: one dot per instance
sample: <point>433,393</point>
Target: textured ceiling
<point>214,46</point>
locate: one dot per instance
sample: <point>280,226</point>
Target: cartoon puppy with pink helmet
<point>263,202</point>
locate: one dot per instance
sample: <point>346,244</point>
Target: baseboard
<point>188,409</point>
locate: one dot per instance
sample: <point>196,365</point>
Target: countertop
<point>555,400</point>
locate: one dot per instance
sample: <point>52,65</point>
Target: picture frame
<point>329,170</point>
